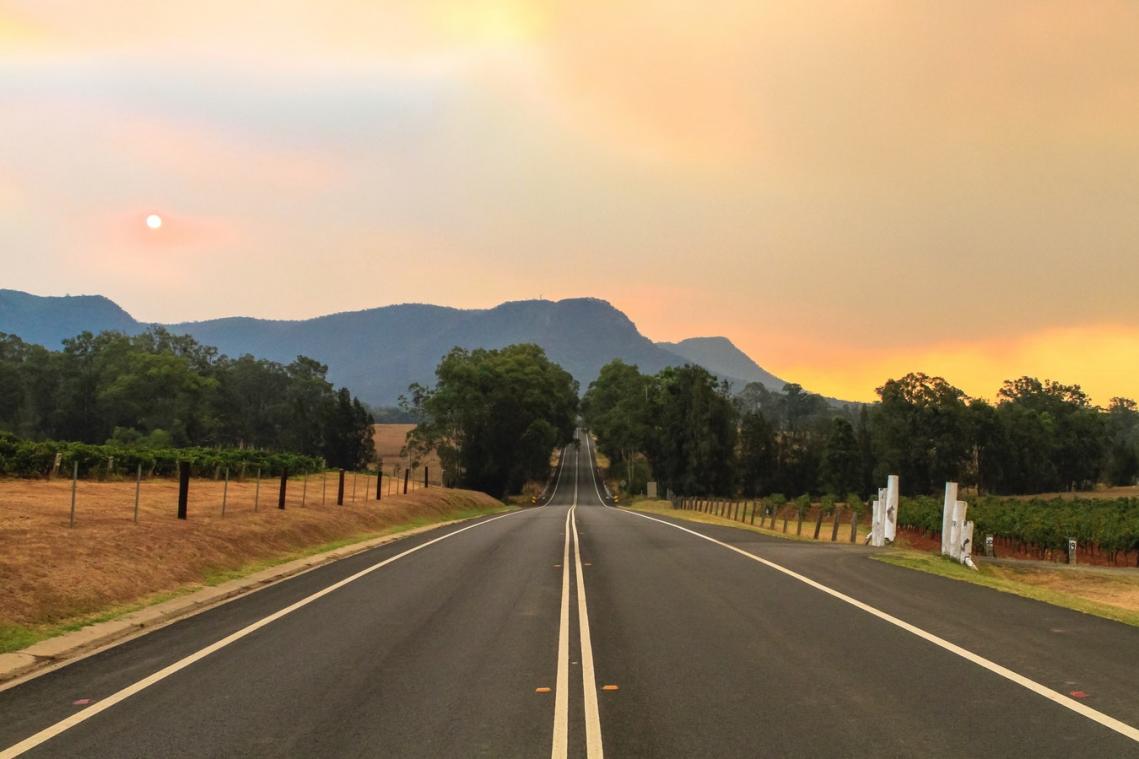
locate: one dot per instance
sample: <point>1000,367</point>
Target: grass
<point>16,637</point>
<point>1107,593</point>
<point>1103,593</point>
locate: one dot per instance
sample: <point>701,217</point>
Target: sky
<point>847,190</point>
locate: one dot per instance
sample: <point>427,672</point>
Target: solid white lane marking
<point>560,747</point>
<point>100,706</point>
<point>593,746</point>
<point>1083,710</point>
<point>558,484</point>
<point>593,472</point>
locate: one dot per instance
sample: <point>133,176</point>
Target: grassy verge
<point>1104,593</point>
<point>664,508</point>
<point>16,636</point>
<point>1107,593</point>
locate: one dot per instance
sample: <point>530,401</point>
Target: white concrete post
<point>947,516</point>
<point>957,529</point>
<point>890,513</point>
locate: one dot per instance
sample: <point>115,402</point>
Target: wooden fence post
<point>380,482</point>
<point>818,523</point>
<point>426,483</point>
<point>406,475</point>
<point>183,488</point>
<point>74,484</point>
<point>853,525</point>
<point>340,490</point>
<point>257,491</point>
<point>137,488</point>
<point>834,524</point>
<point>284,485</point>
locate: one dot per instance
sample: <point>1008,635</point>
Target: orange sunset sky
<point>847,190</point>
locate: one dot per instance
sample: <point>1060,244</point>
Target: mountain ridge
<point>377,352</point>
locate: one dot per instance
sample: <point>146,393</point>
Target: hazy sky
<point>848,190</point>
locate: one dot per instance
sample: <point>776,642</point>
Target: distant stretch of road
<point>577,629</point>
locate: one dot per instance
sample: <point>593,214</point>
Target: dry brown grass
<point>50,573</point>
<point>390,440</point>
<point>1129,491</point>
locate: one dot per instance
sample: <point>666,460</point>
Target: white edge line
<point>103,704</point>
<point>1067,702</point>
<point>560,746</point>
<point>593,472</point>
<point>593,744</point>
<point>558,483</point>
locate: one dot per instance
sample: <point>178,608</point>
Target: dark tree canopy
<point>1040,436</point>
<point>171,390</point>
<point>494,416</point>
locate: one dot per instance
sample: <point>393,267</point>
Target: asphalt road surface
<point>577,629</point>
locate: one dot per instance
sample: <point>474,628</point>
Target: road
<point>577,629</point>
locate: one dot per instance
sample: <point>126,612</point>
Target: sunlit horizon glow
<point>848,192</point>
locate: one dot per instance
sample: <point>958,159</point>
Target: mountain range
<point>378,352</point>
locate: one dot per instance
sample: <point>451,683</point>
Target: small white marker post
<point>137,491</point>
<point>74,480</point>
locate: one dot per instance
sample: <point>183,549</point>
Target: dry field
<point>51,574</point>
<point>390,440</point>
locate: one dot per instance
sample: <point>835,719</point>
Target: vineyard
<point>1105,527</point>
<point>25,458</point>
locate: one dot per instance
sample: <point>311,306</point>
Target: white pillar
<point>890,523</point>
<point>957,529</point>
<point>967,543</point>
<point>947,516</point>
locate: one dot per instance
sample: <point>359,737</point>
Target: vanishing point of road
<point>577,629</point>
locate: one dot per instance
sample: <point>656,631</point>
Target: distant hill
<point>719,356</point>
<point>49,320</point>
<point>378,352</point>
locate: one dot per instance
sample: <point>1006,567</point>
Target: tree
<point>693,445</point>
<point>842,459</point>
<point>1057,439</point>
<point>758,454</point>
<point>1122,467</point>
<point>494,416</point>
<point>921,432</point>
<point>616,408</point>
<point>348,435</point>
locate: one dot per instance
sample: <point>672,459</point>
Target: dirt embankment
<point>52,574</point>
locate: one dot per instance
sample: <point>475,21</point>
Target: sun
<point>153,221</point>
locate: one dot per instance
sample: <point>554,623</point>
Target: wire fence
<point>227,494</point>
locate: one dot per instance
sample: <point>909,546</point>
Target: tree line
<point>687,430</point>
<point>161,390</point>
